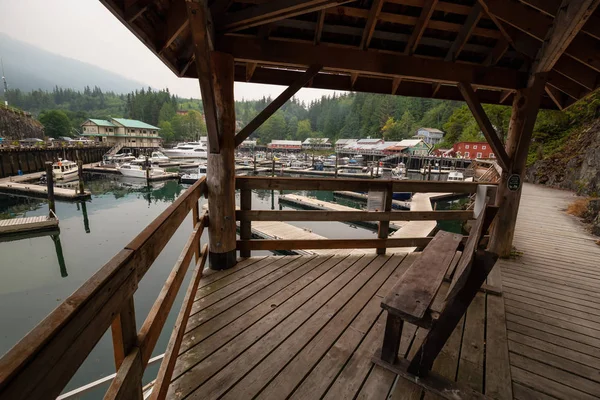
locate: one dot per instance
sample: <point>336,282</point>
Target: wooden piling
<point>80,176</point>
<point>336,164</point>
<point>50,186</point>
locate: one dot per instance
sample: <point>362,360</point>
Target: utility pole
<point>4,83</point>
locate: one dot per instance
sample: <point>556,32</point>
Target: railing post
<point>195,219</point>
<point>384,226</point>
<point>245,226</point>
<point>124,335</point>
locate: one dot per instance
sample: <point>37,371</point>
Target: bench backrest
<point>463,268</point>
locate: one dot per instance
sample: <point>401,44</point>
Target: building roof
<point>287,142</point>
<point>345,141</point>
<point>496,54</point>
<point>431,130</point>
<point>101,122</point>
<point>409,142</point>
<point>134,123</point>
<point>369,141</point>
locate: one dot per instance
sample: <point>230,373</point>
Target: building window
<point>466,146</point>
<point>144,131</point>
<point>84,129</point>
<point>467,154</point>
<point>110,129</point>
<point>474,147</point>
<point>483,147</point>
<point>492,155</point>
<point>479,155</point>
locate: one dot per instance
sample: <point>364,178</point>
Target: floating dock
<point>316,204</point>
<point>282,230</point>
<point>31,189</point>
<point>16,226</point>
<point>363,197</point>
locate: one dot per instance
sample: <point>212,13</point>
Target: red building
<point>472,150</point>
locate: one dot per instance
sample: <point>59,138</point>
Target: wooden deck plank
<point>470,368</point>
<point>210,276</point>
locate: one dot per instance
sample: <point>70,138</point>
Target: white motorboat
<point>187,150</point>
<point>139,170</point>
<point>155,158</point>
<point>399,172</point>
<point>191,178</point>
<point>63,169</point>
<point>456,176</point>
<point>120,158</point>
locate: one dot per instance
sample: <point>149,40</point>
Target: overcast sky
<point>87,31</point>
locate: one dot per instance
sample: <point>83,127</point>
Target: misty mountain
<point>28,67</point>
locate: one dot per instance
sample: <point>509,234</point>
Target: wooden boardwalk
<point>552,301</point>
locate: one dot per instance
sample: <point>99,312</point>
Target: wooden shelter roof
<point>418,48</point>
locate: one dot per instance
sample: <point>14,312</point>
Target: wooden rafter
<point>555,95</point>
<point>353,78</point>
<point>277,103</point>
<point>348,60</point>
<point>319,27</point>
<point>569,20</point>
<point>177,21</point>
<point>421,25</point>
<point>497,52</point>
<point>484,124</point>
<point>134,8</point>
<point>371,23</point>
<point>198,18</point>
<point>465,33</point>
<point>395,84</point>
<point>272,11</point>
<point>250,67</point>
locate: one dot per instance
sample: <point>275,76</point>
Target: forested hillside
<point>351,115</point>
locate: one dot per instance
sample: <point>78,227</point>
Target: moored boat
<point>139,170</point>
<point>63,169</point>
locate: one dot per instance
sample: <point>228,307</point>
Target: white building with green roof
<point>128,132</point>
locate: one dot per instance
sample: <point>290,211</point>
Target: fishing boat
<point>399,172</point>
<point>187,150</point>
<point>63,169</point>
<point>136,169</point>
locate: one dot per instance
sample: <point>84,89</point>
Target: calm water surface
<point>39,273</point>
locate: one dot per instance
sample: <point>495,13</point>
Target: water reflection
<point>59,255</point>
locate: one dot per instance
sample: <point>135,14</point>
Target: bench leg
<point>391,339</point>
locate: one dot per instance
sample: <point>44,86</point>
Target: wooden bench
<point>411,298</point>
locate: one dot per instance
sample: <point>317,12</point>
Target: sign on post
<point>514,182</point>
<point>375,201</point>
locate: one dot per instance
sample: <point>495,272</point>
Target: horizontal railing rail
<point>45,360</point>
<point>246,215</point>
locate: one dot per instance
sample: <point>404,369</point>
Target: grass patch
<point>579,207</point>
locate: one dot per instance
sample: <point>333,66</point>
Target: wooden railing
<point>246,215</point>
<point>44,361</point>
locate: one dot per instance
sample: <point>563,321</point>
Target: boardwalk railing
<point>246,215</point>
<point>44,361</point>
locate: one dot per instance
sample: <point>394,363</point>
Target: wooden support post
<point>245,226</point>
<point>80,176</point>
<point>336,164</point>
<point>429,172</point>
<point>50,186</point>
<point>124,335</point>
<point>220,177</point>
<point>195,220</point>
<point>524,112</point>
<point>391,339</point>
<point>147,171</point>
<point>384,226</point>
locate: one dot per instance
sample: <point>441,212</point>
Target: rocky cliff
<point>575,165</point>
<point>16,124</point>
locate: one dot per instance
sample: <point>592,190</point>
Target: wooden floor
<point>552,301</point>
<point>307,326</point>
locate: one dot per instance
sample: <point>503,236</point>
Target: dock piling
<point>80,176</point>
<point>50,186</point>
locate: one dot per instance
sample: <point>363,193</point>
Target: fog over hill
<point>28,67</point>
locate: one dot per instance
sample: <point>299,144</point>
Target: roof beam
<point>348,60</point>
<point>421,25</point>
<point>484,124</point>
<point>271,12</point>
<point>276,104</point>
<point>177,20</point>
<point>367,84</point>
<point>371,24</point>
<point>395,84</point>
<point>569,20</point>
<point>319,27</point>
<point>198,20</point>
<point>556,96</point>
<point>465,33</point>
<point>497,52</point>
<point>132,9</point>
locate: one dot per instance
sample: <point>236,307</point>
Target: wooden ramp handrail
<point>318,215</point>
<point>45,360</point>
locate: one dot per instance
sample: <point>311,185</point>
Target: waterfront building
<point>341,143</point>
<point>128,132</point>
<point>431,136</point>
<point>316,144</point>
<point>285,145</point>
<point>473,150</point>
